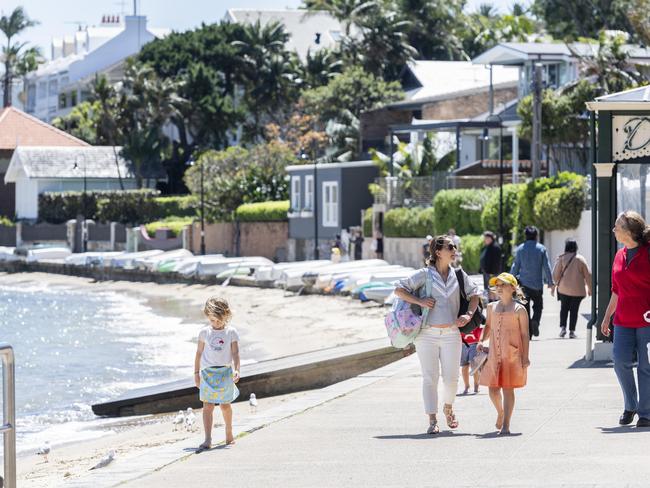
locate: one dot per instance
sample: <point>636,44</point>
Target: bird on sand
<point>105,461</point>
<point>252,402</point>
<point>179,420</point>
<point>44,450</point>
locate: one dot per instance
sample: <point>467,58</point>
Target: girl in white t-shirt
<point>214,374</point>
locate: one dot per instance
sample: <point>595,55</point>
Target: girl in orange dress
<point>507,330</point>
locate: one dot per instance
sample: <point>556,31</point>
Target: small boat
<point>275,271</point>
<point>7,254</point>
<point>387,277</point>
<point>151,263</point>
<point>127,259</point>
<point>47,254</point>
<point>215,267</point>
<point>188,266</point>
<point>322,276</point>
<point>92,258</point>
<point>377,294</point>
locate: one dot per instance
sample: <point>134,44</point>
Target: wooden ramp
<point>289,374</point>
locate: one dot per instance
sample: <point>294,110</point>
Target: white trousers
<point>439,352</point>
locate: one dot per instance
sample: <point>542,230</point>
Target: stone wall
<point>268,239</point>
<point>406,251</point>
<point>466,106</point>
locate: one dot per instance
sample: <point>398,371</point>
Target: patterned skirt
<point>217,385</point>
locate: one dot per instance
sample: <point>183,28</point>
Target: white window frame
<point>330,213</point>
<point>295,193</point>
<point>309,192</point>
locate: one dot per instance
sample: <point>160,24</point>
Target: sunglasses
<point>449,246</point>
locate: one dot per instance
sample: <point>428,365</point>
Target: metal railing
<point>8,427</point>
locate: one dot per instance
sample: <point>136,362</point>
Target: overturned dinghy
<point>150,263</point>
<point>276,271</point>
<point>92,258</point>
<point>325,273</point>
<point>128,259</point>
<point>213,268</point>
<point>7,254</point>
<point>46,254</point>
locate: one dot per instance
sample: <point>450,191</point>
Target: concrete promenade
<point>369,432</point>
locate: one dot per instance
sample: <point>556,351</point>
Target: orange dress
<point>503,367</point>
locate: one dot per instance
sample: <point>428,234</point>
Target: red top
<point>472,337</point>
<point>632,285</point>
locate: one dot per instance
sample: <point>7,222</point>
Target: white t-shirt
<point>217,350</point>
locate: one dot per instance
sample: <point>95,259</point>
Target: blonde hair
<point>636,225</point>
<point>217,308</point>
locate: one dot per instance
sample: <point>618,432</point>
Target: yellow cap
<point>506,278</point>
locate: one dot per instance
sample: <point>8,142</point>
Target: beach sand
<point>272,323</point>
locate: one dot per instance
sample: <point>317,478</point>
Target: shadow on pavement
<point>444,433</point>
<point>624,429</point>
<point>581,363</point>
<point>495,435</point>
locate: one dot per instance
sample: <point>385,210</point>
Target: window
<point>62,100</point>
<point>295,193</point>
<point>309,192</point>
<point>330,204</point>
<point>42,90</point>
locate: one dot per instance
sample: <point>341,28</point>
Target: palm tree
<point>348,12</point>
<point>320,67</point>
<point>27,62</point>
<point>11,26</point>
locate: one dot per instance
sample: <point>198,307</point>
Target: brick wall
<point>466,106</point>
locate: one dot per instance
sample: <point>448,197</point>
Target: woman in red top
<point>630,305</point>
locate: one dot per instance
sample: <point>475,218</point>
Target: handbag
<point>478,361</point>
<point>560,279</point>
<point>404,321</point>
<point>477,318</point>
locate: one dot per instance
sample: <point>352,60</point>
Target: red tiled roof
<point>19,128</point>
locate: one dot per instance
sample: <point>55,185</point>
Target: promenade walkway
<point>368,431</point>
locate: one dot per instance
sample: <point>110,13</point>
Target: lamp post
<point>497,117</point>
<point>304,158</point>
<point>84,227</point>
<point>191,162</point>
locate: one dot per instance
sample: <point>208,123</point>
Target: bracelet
<point>196,372</point>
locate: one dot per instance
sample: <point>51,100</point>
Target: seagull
<point>105,461</point>
<point>252,401</point>
<point>190,419</point>
<point>44,450</point>
<point>179,420</point>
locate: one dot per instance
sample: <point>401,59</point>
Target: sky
<point>59,17</point>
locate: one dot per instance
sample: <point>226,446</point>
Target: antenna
<point>122,4</point>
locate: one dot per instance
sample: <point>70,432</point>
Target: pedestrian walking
<point>532,270</point>
<point>425,248</point>
<point>490,262</point>
<point>216,367</point>
<point>357,241</point>
<point>470,342</point>
<point>438,344</point>
<point>571,276</point>
<point>459,250</point>
<point>507,364</point>
<point>629,304</point>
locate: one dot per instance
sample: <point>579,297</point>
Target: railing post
<point>8,427</point>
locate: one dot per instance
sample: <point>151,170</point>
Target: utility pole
<point>536,149</point>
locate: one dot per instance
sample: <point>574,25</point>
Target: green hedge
<point>490,214</point>
<point>560,208</point>
<point>128,207</point>
<point>540,185</point>
<point>367,223</point>
<point>471,246</point>
<point>409,222</point>
<point>6,222</point>
<point>174,224</point>
<point>262,211</point>
<point>460,210</point>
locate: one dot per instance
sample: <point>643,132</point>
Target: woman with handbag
<point>438,344</point>
<point>571,275</point>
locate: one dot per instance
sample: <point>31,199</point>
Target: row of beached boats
<point>368,279</point>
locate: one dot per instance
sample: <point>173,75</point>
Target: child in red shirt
<point>468,352</point>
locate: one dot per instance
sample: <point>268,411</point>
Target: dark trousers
<point>535,296</point>
<point>630,346</point>
<point>569,307</point>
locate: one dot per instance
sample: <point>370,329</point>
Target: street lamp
<point>497,117</point>
<point>191,162</point>
<point>84,226</point>
<point>304,158</point>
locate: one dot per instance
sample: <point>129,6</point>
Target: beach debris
<point>44,450</point>
<point>252,402</point>
<point>179,420</point>
<point>105,461</point>
<point>190,420</point>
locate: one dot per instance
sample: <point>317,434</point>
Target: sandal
<point>433,427</point>
<point>452,423</point>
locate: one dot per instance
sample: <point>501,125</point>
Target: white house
<point>65,81</point>
<point>309,30</point>
<point>36,170</point>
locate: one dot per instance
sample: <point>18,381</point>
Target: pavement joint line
<point>168,454</point>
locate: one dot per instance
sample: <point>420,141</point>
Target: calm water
<point>74,348</point>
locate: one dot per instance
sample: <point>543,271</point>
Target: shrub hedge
<point>540,185</point>
<point>6,222</point>
<point>367,223</point>
<point>127,207</point>
<point>174,224</point>
<point>262,211</point>
<point>408,222</point>
<point>460,210</point>
<point>559,208</point>
<point>471,246</point>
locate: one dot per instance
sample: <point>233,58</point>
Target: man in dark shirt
<point>491,260</point>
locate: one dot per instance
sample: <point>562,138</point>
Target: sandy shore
<point>271,323</point>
